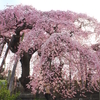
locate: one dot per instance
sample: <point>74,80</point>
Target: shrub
<point>5,93</point>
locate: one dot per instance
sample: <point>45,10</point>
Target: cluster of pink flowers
<point>66,63</point>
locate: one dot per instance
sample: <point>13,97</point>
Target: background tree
<point>61,40</point>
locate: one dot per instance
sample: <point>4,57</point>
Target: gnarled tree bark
<point>25,64</point>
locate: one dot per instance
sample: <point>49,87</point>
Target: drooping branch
<point>70,74</point>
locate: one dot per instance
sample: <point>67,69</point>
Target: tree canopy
<point>67,59</point>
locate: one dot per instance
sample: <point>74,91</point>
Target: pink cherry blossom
<point>65,61</point>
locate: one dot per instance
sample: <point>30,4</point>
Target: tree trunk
<point>3,61</point>
<point>25,64</point>
<point>2,43</point>
<point>12,76</point>
<point>10,45</point>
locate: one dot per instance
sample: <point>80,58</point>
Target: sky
<point>89,7</point>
